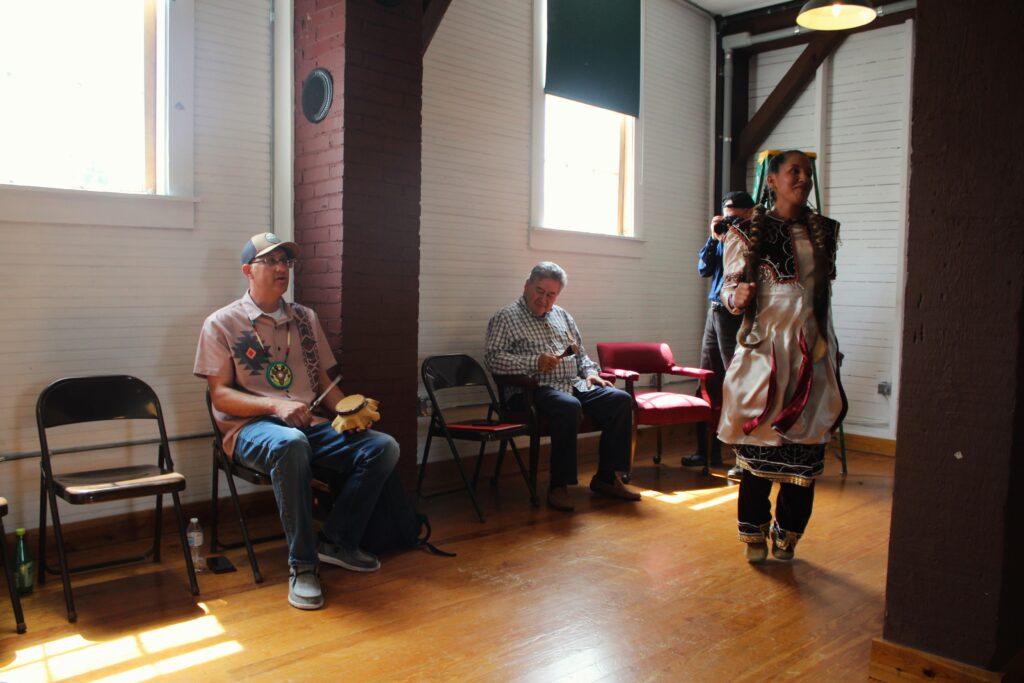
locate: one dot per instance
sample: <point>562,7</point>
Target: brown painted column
<point>357,197</point>
<point>956,554</point>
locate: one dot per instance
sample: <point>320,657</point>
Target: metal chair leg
<point>19,616</point>
<point>479,462</point>
<point>41,555</point>
<point>192,584</point>
<point>69,599</point>
<point>501,458</point>
<point>159,524</point>
<point>215,501</point>
<point>465,480</point>
<point>256,575</point>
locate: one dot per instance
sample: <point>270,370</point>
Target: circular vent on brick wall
<point>317,94</point>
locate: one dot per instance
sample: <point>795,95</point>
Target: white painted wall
<point>83,299</point>
<point>476,185</point>
<point>862,115</point>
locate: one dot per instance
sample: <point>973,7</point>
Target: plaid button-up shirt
<point>516,338</point>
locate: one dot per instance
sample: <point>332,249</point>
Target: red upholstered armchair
<point>628,360</point>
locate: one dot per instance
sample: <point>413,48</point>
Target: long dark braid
<point>753,260</point>
<point>822,268</point>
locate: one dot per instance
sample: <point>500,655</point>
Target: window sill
<point>78,207</point>
<point>547,239</point>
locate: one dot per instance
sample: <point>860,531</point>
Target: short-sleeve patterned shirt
<point>231,345</point>
<point>516,338</point>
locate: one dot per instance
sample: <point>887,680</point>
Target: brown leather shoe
<point>559,499</point>
<point>615,489</point>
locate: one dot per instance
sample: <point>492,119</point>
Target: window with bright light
<point>588,168</point>
<point>586,130</point>
<point>81,85</point>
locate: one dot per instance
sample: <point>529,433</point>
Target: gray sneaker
<point>355,560</point>
<point>304,587</point>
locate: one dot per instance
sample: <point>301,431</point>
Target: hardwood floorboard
<point>656,591</point>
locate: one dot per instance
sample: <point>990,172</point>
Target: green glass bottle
<point>24,574</point>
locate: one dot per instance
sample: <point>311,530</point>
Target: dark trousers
<point>611,409</point>
<point>716,349</point>
<point>792,506</point>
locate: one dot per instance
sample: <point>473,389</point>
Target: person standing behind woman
<point>721,326</point>
<point>782,398</point>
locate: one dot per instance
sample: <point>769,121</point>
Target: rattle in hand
<point>355,413</point>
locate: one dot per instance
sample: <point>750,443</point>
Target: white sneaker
<point>304,587</point>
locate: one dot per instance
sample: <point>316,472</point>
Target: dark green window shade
<point>593,53</point>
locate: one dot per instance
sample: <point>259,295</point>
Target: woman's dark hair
<point>816,233</point>
<point>775,163</point>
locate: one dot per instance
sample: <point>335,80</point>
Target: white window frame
<point>553,239</point>
<point>173,209</point>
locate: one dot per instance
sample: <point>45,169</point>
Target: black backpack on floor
<point>395,525</point>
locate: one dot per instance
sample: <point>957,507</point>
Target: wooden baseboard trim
<point>867,444</point>
<point>895,663</point>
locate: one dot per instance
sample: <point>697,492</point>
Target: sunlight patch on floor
<point>727,498</point>
<point>677,497</point>
<point>76,656</point>
<point>175,664</point>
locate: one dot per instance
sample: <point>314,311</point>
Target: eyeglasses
<point>274,263</point>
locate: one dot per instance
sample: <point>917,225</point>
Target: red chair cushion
<point>663,408</point>
<point>636,356</point>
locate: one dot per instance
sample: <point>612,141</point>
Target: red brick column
<point>357,198</point>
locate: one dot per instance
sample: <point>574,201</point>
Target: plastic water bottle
<point>195,543</point>
<point>24,575</point>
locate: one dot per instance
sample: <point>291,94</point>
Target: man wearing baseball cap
<point>265,362</point>
<point>720,326</point>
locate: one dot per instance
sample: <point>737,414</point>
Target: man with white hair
<point>533,336</point>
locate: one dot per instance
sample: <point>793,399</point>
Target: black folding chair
<point>455,371</point>
<point>77,400</point>
<point>8,560</point>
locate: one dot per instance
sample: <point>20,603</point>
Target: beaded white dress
<point>782,397</point>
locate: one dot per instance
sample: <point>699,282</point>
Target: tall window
<point>588,168</point>
<point>590,73</point>
<point>81,87</point>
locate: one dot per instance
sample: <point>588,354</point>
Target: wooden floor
<point>618,592</point>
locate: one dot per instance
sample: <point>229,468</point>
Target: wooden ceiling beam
<point>821,45</point>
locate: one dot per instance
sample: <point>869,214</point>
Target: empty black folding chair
<point>455,371</point>
<point>77,400</point>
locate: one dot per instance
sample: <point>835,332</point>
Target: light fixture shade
<point>836,15</point>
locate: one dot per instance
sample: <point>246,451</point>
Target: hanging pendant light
<point>836,15</point>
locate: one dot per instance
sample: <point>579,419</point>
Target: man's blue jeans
<point>610,408</point>
<point>363,459</point>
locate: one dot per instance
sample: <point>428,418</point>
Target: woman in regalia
<point>782,398</point>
